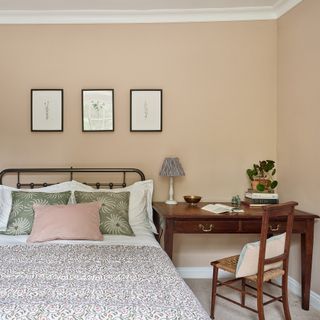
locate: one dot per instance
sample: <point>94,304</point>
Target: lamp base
<point>171,202</point>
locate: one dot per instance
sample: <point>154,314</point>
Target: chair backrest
<point>284,211</point>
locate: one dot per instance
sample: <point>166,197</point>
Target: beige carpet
<point>228,311</point>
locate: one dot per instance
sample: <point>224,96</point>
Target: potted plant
<point>261,176</point>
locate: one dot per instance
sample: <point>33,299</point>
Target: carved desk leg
<point>168,238</point>
<point>306,263</point>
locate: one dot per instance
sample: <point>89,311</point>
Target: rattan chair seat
<point>229,264</point>
<point>268,275</point>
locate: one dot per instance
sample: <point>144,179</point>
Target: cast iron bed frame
<point>26,172</point>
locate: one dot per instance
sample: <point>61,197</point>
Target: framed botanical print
<point>146,110</point>
<point>46,110</point>
<point>97,110</point>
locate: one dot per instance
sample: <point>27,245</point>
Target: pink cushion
<point>73,221</point>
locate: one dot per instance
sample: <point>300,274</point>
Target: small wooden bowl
<point>193,200</point>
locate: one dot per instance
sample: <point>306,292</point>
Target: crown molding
<point>133,16</point>
<point>283,6</point>
<point>145,16</point>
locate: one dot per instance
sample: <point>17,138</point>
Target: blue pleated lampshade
<point>171,167</point>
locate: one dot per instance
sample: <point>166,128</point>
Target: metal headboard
<point>19,172</point>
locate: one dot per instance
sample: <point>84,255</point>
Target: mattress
<point>119,278</point>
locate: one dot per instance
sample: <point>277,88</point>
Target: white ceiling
<point>134,11</point>
<point>129,4</point>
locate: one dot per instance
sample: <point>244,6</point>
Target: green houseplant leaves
<point>263,172</point>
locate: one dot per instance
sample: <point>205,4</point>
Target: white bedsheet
<point>141,239</point>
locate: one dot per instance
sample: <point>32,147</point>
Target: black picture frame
<point>140,111</point>
<point>46,110</point>
<point>97,115</point>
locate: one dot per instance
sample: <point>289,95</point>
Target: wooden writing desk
<point>184,218</point>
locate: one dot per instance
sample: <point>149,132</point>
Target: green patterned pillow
<point>114,218</point>
<point>22,214</point>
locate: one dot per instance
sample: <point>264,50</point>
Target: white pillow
<point>140,205</point>
<point>6,199</point>
<point>76,186</point>
<point>249,256</point>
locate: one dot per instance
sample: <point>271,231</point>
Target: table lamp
<point>171,167</point>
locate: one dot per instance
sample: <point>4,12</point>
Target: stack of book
<point>258,199</point>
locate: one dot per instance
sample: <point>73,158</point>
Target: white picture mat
<point>46,110</point>
<point>146,110</point>
<point>97,110</point>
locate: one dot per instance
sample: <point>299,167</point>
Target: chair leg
<point>285,299</point>
<point>260,301</point>
<point>243,295</point>
<point>214,290</point>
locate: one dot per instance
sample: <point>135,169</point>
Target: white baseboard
<point>206,273</point>
<point>295,287</point>
<point>195,272</point>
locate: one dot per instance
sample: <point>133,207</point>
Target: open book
<point>217,208</point>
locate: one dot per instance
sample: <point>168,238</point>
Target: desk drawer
<point>205,226</point>
<point>274,226</point>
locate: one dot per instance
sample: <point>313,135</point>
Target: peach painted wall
<point>298,118</point>
<point>219,84</point>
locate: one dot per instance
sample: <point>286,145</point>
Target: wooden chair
<point>280,211</point>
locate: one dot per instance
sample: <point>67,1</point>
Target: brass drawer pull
<point>204,229</point>
<point>274,228</point>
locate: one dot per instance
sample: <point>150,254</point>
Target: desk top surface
<point>184,210</point>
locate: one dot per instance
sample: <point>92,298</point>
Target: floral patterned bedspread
<point>69,281</point>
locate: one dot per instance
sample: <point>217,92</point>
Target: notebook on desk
<point>219,208</point>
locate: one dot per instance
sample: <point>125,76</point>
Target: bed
<point>119,277</point>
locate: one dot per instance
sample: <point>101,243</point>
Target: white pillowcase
<point>6,199</point>
<point>140,205</point>
<point>249,256</point>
